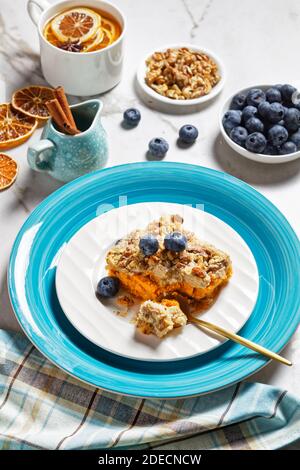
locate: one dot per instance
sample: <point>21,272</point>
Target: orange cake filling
<point>146,287</point>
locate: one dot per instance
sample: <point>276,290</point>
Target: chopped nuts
<point>198,272</point>
<point>181,74</point>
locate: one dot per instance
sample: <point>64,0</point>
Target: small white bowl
<point>162,103</point>
<point>257,157</point>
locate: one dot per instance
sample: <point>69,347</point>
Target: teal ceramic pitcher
<point>66,157</point>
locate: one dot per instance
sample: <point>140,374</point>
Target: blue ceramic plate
<point>37,248</point>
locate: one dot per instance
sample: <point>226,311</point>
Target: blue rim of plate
<point>31,277</point>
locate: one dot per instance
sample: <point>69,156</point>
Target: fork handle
<point>239,339</point>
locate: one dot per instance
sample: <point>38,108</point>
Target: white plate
<point>165,104</point>
<point>82,264</point>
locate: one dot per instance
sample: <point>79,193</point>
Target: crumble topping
<point>160,318</point>
<point>198,265</point>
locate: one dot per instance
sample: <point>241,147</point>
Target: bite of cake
<point>160,318</point>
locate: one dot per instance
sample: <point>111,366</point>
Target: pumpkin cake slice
<point>196,272</point>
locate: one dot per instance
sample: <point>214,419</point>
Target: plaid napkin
<point>41,407</point>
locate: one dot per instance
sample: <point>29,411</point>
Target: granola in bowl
<point>182,73</point>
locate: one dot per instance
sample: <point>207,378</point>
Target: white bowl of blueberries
<point>263,123</point>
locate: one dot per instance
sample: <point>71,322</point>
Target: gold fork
<point>238,339</point>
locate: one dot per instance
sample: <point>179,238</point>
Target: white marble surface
<point>258,42</point>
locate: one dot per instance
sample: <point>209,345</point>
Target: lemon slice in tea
<point>50,36</point>
<point>110,26</point>
<point>92,43</point>
<point>76,24</point>
<point>107,39</point>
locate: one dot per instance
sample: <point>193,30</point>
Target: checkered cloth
<point>41,407</point>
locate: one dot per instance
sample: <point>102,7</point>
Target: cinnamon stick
<point>62,99</point>
<point>60,118</point>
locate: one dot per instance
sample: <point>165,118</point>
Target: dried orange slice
<point>31,101</point>
<point>78,23</point>
<point>15,127</point>
<point>8,171</point>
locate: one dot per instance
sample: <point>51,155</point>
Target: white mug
<point>81,74</point>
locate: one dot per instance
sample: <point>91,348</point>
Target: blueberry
<point>296,139</point>
<point>148,245</point>
<point>270,150</point>
<point>254,125</point>
<point>249,112</point>
<point>239,135</point>
<point>296,100</point>
<point>278,87</point>
<point>132,116</point>
<point>256,142</point>
<point>175,241</point>
<point>238,101</point>
<point>108,286</point>
<point>287,92</point>
<point>273,94</point>
<point>277,135</point>
<point>288,147</point>
<point>263,108</point>
<point>158,147</point>
<point>255,96</point>
<point>275,112</point>
<point>292,119</point>
<point>231,119</point>
<point>188,133</point>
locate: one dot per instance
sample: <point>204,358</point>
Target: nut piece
<point>181,74</point>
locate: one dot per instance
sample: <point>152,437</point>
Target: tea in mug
<point>82,29</point>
